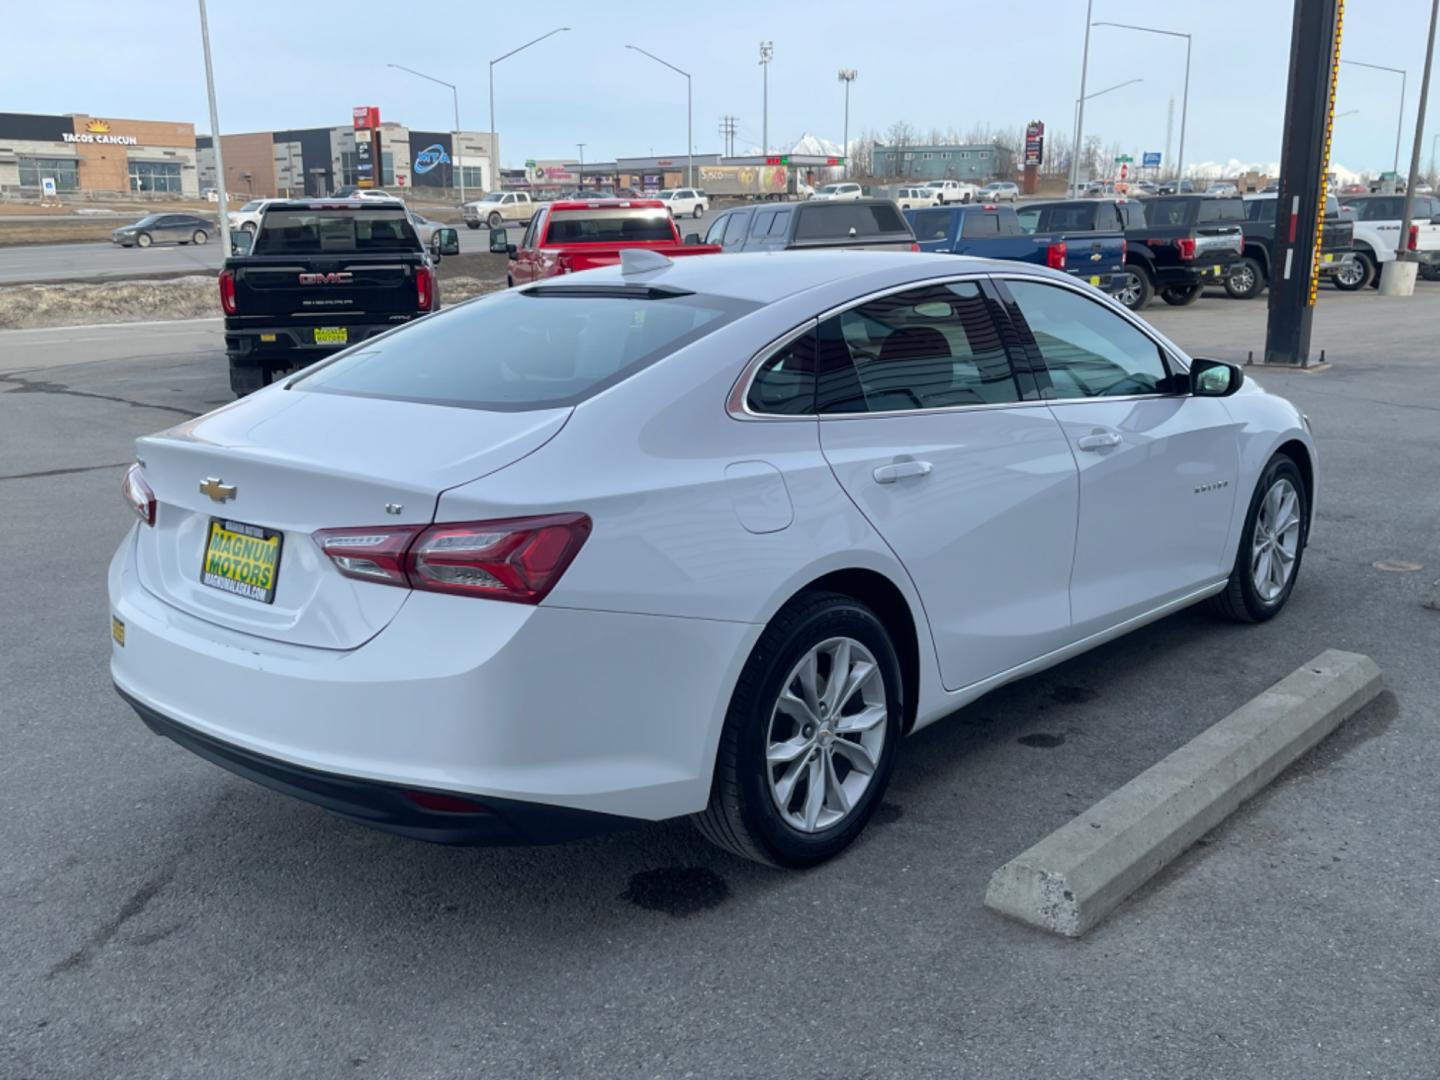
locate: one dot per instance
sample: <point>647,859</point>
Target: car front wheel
<point>496,220</point>
<point>1181,295</point>
<point>810,737</point>
<point>143,240</point>
<point>1271,546</point>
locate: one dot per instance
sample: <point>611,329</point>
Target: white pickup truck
<point>500,208</point>
<point>954,191</point>
<point>1377,230</point>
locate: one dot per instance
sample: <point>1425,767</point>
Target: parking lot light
<point>1185,99</point>
<point>847,76</point>
<point>455,145</point>
<point>689,115</point>
<point>1399,120</point>
<point>494,147</point>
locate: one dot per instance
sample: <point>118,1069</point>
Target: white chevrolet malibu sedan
<point>696,538</point>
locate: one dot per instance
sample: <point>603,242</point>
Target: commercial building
<point>79,153</point>
<point>975,162</point>
<point>317,161</point>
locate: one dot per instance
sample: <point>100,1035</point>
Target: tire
<point>1138,290</point>
<point>247,378</point>
<point>1355,274</point>
<point>200,237</point>
<point>472,224</point>
<point>1246,279</point>
<point>143,240</point>
<point>745,814</point>
<point>248,226</point>
<point>1243,600</point>
<point>1430,271</point>
<point>495,220</point>
<point>1181,295</point>
<point>699,211</point>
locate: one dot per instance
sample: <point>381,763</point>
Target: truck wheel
<point>495,219</point>
<point>1136,290</point>
<point>1430,271</point>
<point>472,224</point>
<point>1181,295</point>
<point>1355,273</point>
<point>1246,280</point>
<point>699,211</point>
<point>247,378</point>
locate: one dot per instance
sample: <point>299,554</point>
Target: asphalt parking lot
<point>162,918</point>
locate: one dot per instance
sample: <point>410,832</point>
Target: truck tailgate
<point>358,286</point>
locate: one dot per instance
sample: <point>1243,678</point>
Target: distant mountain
<point>1214,170</point>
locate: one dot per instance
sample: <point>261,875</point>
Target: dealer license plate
<point>331,335</point>
<point>1215,271</point>
<point>241,559</point>
<point>1094,279</point>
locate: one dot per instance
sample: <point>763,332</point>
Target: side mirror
<point>1214,378</point>
<point>241,241</point>
<point>499,241</point>
<point>445,242</point>
<point>692,238</point>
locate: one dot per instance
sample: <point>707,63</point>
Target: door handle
<point>888,474</point>
<point>1100,440</point>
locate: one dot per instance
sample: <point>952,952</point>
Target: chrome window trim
<point>737,404</point>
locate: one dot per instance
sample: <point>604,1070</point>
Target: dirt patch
<point>23,307</point>
<point>60,231</point>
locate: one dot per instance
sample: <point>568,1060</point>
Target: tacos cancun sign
<point>91,137</point>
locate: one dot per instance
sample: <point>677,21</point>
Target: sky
<point>938,63</point>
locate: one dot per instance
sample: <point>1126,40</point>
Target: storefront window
<point>64,171</point>
<point>473,176</point>
<point>157,176</point>
<point>349,177</point>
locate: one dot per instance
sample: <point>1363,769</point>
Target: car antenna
<point>642,261</point>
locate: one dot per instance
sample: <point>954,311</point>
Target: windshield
<point>253,204</point>
<point>494,196</point>
<point>666,194</point>
<point>540,348</point>
<point>830,189</point>
<point>303,231</point>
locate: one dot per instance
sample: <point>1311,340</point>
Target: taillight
<point>445,804</point>
<point>914,246</point>
<point>138,495</point>
<point>1055,255</point>
<point>516,559</point>
<point>424,288</point>
<point>1414,242</point>
<point>227,291</point>
<point>1186,246</point>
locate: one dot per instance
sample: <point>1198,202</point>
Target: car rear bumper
<point>605,712</point>
<point>260,342</point>
<point>1105,281</point>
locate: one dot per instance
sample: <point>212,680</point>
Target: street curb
<point>1078,874</point>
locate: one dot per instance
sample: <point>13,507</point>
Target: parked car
<point>248,216</point>
<point>708,540</point>
<point>954,190</point>
<point>806,226</point>
<point>998,191</point>
<point>1249,276</point>
<point>685,202</point>
<point>319,276</point>
<point>425,228</point>
<point>165,229</point>
<point>1222,191</point>
<point>1377,230</point>
<point>838,192</point>
<point>497,208</point>
<point>567,237</point>
<point>910,198</point>
<point>374,195</point>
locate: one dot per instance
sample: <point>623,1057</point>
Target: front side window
<point>932,347</point>
<point>735,228</point>
<point>1089,350</point>
<point>1261,210</point>
<point>716,233</point>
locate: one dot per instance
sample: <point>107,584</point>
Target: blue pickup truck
<point>994,232</point>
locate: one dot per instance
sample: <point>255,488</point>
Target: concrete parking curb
<point>1077,875</point>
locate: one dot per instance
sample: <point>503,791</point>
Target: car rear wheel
<point>1271,547</point>
<point>495,220</point>
<point>143,240</point>
<point>1136,289</point>
<point>698,211</point>
<point>200,236</point>
<point>472,224</point>
<point>1181,295</point>
<point>1246,280</point>
<point>1354,273</point>
<point>810,737</point>
<point>249,227</point>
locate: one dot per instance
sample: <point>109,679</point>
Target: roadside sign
<point>1124,170</point>
<point>1124,159</point>
<point>1152,159</point>
<point>1034,142</point>
<point>47,186</point>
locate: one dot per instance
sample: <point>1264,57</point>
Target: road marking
<point>182,323</point>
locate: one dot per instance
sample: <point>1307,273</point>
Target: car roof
<point>608,204</point>
<point>763,277</point>
<point>330,204</point>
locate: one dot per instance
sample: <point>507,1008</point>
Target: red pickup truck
<point>567,237</point>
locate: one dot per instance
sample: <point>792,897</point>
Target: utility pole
<point>1405,279</point>
<point>1080,109</point>
<point>215,136</point>
<point>727,132</point>
<point>847,76</point>
<point>581,145</point>
<point>767,50</point>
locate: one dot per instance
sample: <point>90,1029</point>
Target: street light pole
<point>581,147</point>
<point>1400,119</point>
<point>1185,94</point>
<point>767,50</point>
<point>494,153</point>
<point>1080,109</point>
<point>455,135</point>
<point>1079,102</point>
<point>847,76</point>
<point>1403,251</point>
<point>689,115</point>
<point>215,135</point>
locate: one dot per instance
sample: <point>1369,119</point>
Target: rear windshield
<point>1222,210</point>
<point>609,226</point>
<point>1163,212</point>
<point>523,349</point>
<point>834,221</point>
<point>313,232</point>
<point>932,224</point>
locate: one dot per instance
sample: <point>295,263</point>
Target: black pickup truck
<point>321,275</point>
<point>1249,276</point>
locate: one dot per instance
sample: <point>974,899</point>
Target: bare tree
<point>901,137</point>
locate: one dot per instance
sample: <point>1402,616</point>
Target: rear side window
<point>781,223</point>
<point>763,220</point>
<point>931,224</point>
<point>836,220</point>
<point>1132,214</point>
<point>537,348</point>
<point>784,385</point>
<point>1261,210</point>
<point>1107,218</point>
<point>936,346</point>
<point>1222,210</point>
<point>980,225</point>
<point>609,226</point>
<point>315,232</point>
<point>1029,219</point>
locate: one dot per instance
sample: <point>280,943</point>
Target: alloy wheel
<point>1350,273</point>
<point>826,734</point>
<point>1129,293</point>
<point>1276,541</point>
<point>1242,278</point>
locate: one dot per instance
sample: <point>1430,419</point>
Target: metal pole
<point>767,50</point>
<point>847,76</point>
<point>1184,115</point>
<point>1169,131</point>
<point>1403,250</point>
<point>1080,108</point>
<point>1399,125</point>
<point>456,161</point>
<point>215,136</point>
<point>494,164</point>
<point>689,133</point>
<point>581,145</point>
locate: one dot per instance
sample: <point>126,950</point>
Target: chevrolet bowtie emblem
<point>216,490</point>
